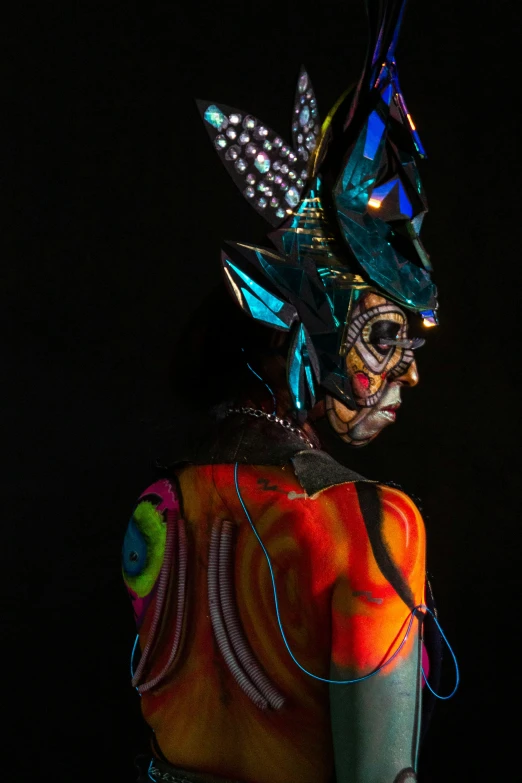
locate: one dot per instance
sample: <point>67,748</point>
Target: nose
<point>410,377</point>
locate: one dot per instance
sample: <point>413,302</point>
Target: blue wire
<point>283,635</point>
<point>148,771</point>
<point>262,381</point>
<point>457,671</point>
<point>133,653</point>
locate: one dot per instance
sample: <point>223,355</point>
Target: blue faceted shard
<point>299,371</point>
<point>429,317</point>
<point>269,299</point>
<point>369,238</point>
<point>295,372</point>
<point>387,94</point>
<point>360,173</point>
<point>404,202</point>
<point>215,117</point>
<point>382,191</point>
<point>374,132</point>
<point>261,312</point>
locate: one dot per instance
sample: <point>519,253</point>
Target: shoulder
<point>377,533</point>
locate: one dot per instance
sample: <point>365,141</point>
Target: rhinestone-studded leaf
<point>306,123</point>
<point>265,168</point>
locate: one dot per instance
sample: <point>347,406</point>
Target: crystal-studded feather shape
<point>306,124</point>
<point>265,168</point>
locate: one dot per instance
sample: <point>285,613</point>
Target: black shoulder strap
<point>317,470</point>
<point>371,509</point>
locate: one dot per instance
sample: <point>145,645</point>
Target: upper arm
<point>375,722</point>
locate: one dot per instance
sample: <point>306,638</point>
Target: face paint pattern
<point>379,360</point>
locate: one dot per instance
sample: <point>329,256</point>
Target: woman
<point>279,596</point>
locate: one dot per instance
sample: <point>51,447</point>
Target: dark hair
<point>212,351</point>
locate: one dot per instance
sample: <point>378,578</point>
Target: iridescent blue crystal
<point>215,117</point>
<point>404,202</point>
<point>292,197</point>
<point>374,134</point>
<point>261,312</point>
<point>241,165</point>
<point>387,94</point>
<point>220,142</point>
<point>249,192</point>
<point>249,122</point>
<point>429,317</point>
<point>302,84</point>
<point>269,299</point>
<point>370,240</point>
<point>382,191</point>
<point>304,116</point>
<point>262,162</point>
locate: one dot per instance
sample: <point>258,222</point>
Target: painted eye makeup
<point>383,335</point>
<point>386,334</point>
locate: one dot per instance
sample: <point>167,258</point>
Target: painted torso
<point>230,700</point>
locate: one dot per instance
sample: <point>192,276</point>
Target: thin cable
<point>283,635</point>
<point>457,671</point>
<point>263,382</point>
<point>133,653</point>
<point>276,602</point>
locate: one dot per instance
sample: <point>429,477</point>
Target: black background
<point>115,207</point>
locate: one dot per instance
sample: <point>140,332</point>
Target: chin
<point>356,429</point>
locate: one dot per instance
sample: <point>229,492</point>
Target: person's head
<point>347,204</point>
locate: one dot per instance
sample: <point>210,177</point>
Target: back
<point>219,687</point>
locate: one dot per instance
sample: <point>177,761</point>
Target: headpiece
<point>347,204</point>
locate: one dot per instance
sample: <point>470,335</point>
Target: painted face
<point>379,362</point>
